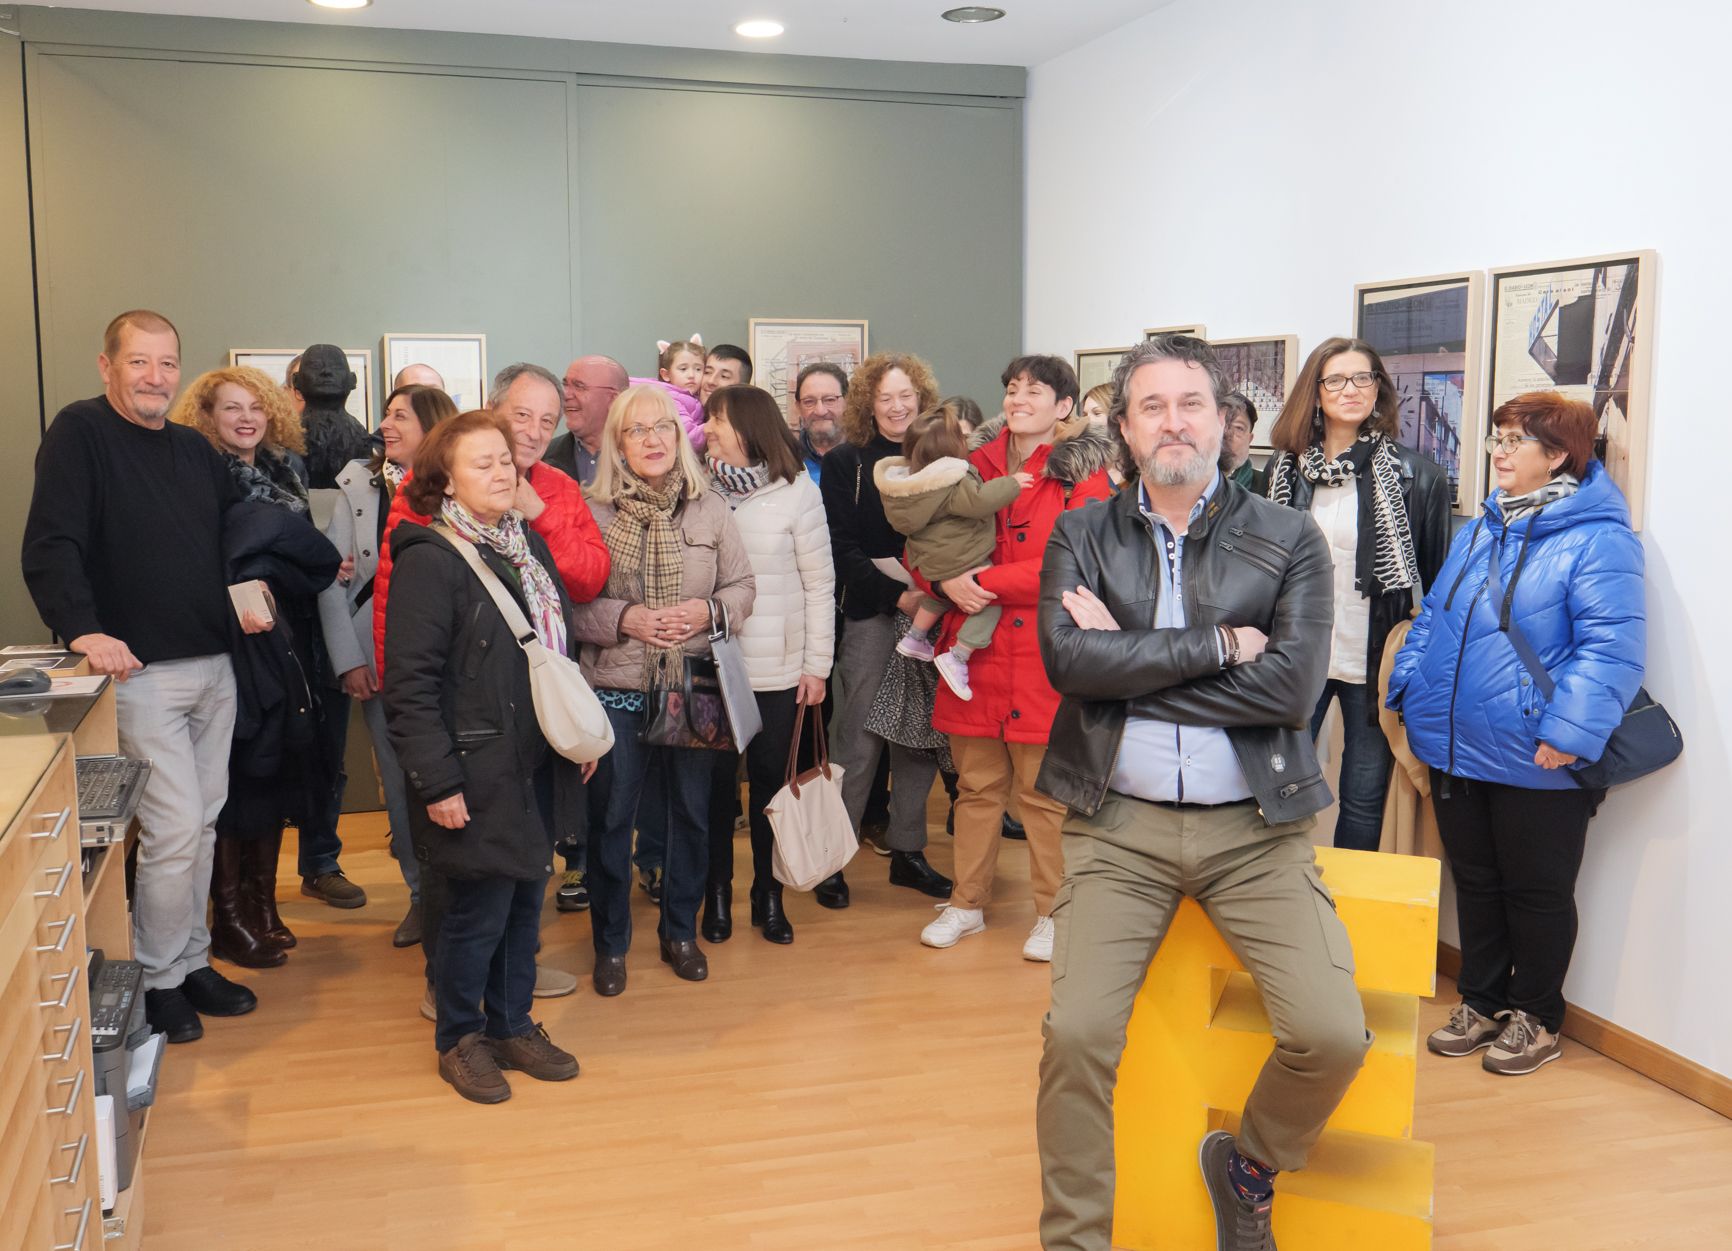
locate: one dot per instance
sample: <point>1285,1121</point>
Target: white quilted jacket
<point>792,629</point>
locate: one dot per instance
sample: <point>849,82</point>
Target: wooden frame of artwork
<point>1584,327</point>
<point>1196,331</point>
<point>1430,333</point>
<point>1257,366</point>
<point>780,347</point>
<point>460,359</point>
<point>1095,366</point>
<point>273,362</point>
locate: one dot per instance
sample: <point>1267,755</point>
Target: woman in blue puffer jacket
<point>1513,820</point>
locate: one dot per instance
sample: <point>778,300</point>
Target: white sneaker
<point>952,926</point>
<point>1039,944</point>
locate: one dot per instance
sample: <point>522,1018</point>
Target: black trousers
<point>766,771</point>
<point>1514,854</point>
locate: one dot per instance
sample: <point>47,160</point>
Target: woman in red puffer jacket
<point>998,738</point>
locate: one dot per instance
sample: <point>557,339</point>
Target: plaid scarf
<point>1370,458</point>
<point>507,538</point>
<point>648,566</point>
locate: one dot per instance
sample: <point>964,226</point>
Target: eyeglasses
<point>1506,443</point>
<point>1338,382</point>
<point>662,430</point>
<point>820,401</point>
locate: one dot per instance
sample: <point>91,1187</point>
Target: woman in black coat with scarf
<point>1384,508</point>
<point>484,786</point>
<point>276,771</point>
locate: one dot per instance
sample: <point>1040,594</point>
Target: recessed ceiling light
<point>341,4</point>
<point>759,28</point>
<point>972,14</point>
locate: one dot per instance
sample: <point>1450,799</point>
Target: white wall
<point>1245,162</point>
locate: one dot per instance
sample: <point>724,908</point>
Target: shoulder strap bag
<point>1646,740</point>
<point>742,705</point>
<point>571,717</point>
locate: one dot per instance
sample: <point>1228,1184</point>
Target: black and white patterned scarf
<point>270,479</point>
<point>1560,487</point>
<point>1371,459</point>
<point>736,484</point>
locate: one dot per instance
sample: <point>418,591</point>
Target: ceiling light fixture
<point>972,14</point>
<point>759,28</point>
<point>340,4</point>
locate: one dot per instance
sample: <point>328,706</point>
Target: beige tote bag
<point>814,838</point>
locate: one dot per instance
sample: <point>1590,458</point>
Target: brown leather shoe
<point>687,959</point>
<point>609,975</point>
<point>334,889</point>
<point>534,1053</point>
<point>259,879</point>
<point>234,935</point>
<point>473,1072</point>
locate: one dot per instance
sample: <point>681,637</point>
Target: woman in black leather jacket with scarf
<point>1384,510</point>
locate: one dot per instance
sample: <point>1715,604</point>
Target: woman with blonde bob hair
<point>677,560</point>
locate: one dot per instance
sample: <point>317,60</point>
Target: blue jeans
<point>1365,764</point>
<point>394,784</point>
<point>486,954</point>
<point>679,800</point>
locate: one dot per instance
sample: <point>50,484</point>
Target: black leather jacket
<point>1247,562</point>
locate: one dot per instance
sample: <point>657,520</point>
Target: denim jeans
<point>679,800</point>
<point>395,786</point>
<point>486,955</point>
<point>1365,764</point>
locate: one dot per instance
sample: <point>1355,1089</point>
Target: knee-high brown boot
<point>261,882</point>
<point>234,933</point>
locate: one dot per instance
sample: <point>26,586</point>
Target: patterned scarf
<point>269,480</point>
<point>736,484</point>
<point>1559,488</point>
<point>509,540</point>
<point>393,475</point>
<point>648,565</point>
<point>1371,458</point>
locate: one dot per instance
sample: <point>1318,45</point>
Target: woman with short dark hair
<point>788,643</point>
<point>1384,508</point>
<point>1552,555</point>
<point>486,787</point>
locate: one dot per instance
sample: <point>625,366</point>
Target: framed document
<point>1262,370</point>
<point>460,359</point>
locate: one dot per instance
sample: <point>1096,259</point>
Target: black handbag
<point>691,714</point>
<point>1645,741</point>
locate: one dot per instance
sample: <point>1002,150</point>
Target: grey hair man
<point>591,385</point>
<point>1186,624</point>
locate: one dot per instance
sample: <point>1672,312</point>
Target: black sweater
<point>859,531</point>
<point>124,534</point>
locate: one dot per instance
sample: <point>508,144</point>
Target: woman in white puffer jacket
<point>788,641</point>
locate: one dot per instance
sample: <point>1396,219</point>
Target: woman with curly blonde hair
<point>286,759</point>
<point>872,587</point>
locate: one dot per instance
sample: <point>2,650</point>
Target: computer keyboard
<point>103,783</point>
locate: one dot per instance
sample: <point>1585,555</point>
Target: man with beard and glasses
<point>1186,625</point>
<point>818,395</point>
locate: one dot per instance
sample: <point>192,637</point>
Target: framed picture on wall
<point>1196,331</point>
<point>1095,366</point>
<point>275,363</point>
<point>1262,369</point>
<point>780,347</point>
<point>1584,327</point>
<point>460,359</point>
<point>1430,333</point>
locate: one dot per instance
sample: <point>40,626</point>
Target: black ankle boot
<point>718,923</point>
<point>767,913</point>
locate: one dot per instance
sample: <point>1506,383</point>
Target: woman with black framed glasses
<point>1384,508</point>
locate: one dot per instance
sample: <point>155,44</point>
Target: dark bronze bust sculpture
<point>334,437</point>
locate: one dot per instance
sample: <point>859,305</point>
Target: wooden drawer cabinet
<point>49,1198</point>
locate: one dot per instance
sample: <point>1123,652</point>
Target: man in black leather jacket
<point>1186,623</point>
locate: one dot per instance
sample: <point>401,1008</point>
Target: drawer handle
<point>70,978</point>
<point>65,924</point>
<point>71,1179</point>
<point>77,1243</point>
<point>59,818</point>
<point>77,1084</point>
<point>65,1053</point>
<point>60,886</point>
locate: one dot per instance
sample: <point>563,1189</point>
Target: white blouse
<point>1335,509</point>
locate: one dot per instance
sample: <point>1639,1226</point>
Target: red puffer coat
<point>1012,699</point>
<point>579,552</point>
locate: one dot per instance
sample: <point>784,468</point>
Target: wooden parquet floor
<point>854,1090</point>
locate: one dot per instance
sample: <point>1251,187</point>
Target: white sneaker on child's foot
<point>1039,944</point>
<point>952,926</point>
<point>914,647</point>
<point>954,670</point>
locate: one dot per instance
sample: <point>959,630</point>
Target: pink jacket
<point>691,412</point>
